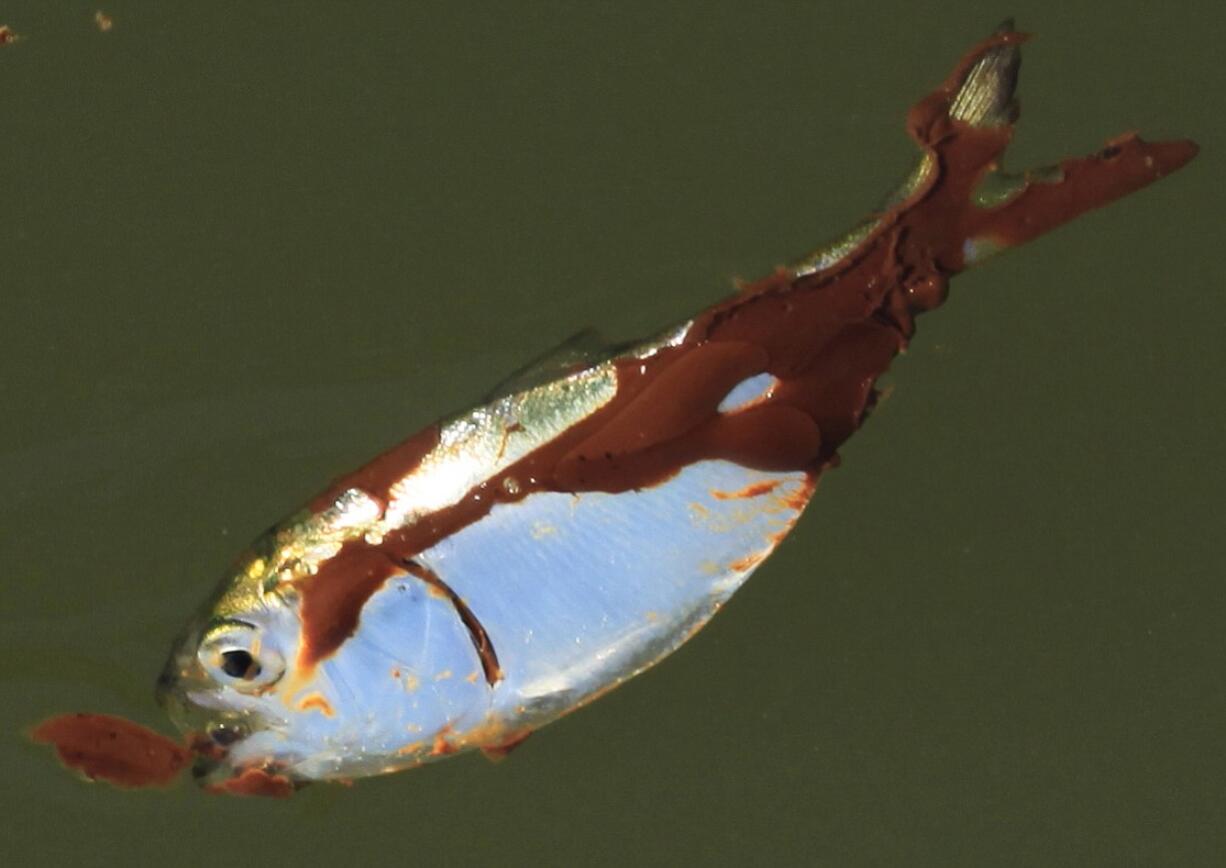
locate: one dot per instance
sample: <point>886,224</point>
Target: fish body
<point>496,628</point>
<point>511,563</point>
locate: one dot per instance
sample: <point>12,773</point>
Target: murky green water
<point>243,249</point>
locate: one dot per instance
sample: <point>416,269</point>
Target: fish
<point>513,562</point>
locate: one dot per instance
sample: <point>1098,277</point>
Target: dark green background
<point>245,246</point>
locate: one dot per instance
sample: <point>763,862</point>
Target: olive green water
<point>241,250</point>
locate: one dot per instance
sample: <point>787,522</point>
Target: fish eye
<point>236,655</point>
<point>238,663</point>
<point>224,734</point>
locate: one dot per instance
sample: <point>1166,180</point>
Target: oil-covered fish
<point>513,562</point>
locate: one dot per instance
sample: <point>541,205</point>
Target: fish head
<point>222,681</point>
<point>240,685</point>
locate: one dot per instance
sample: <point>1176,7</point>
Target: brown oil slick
<point>826,336</point>
<point>102,747</point>
<point>329,615</point>
<point>7,35</point>
<point>254,782</point>
<point>112,749</point>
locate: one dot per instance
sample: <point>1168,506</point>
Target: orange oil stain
<point>800,497</point>
<point>756,489</point>
<point>318,702</point>
<point>746,563</point>
<point>441,746</point>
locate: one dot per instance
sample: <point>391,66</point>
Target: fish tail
<point>1002,209</point>
<point>1012,209</point>
<point>968,206</point>
<point>831,324</point>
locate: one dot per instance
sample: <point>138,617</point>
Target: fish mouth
<point>229,755</point>
<point>236,748</point>
<point>177,692</point>
<point>209,725</point>
<point>208,739</point>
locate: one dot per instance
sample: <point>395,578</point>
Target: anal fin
<point>498,752</point>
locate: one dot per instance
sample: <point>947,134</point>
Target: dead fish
<point>513,562</point>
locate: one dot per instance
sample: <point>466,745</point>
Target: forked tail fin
<point>959,205</point>
<point>831,324</point>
